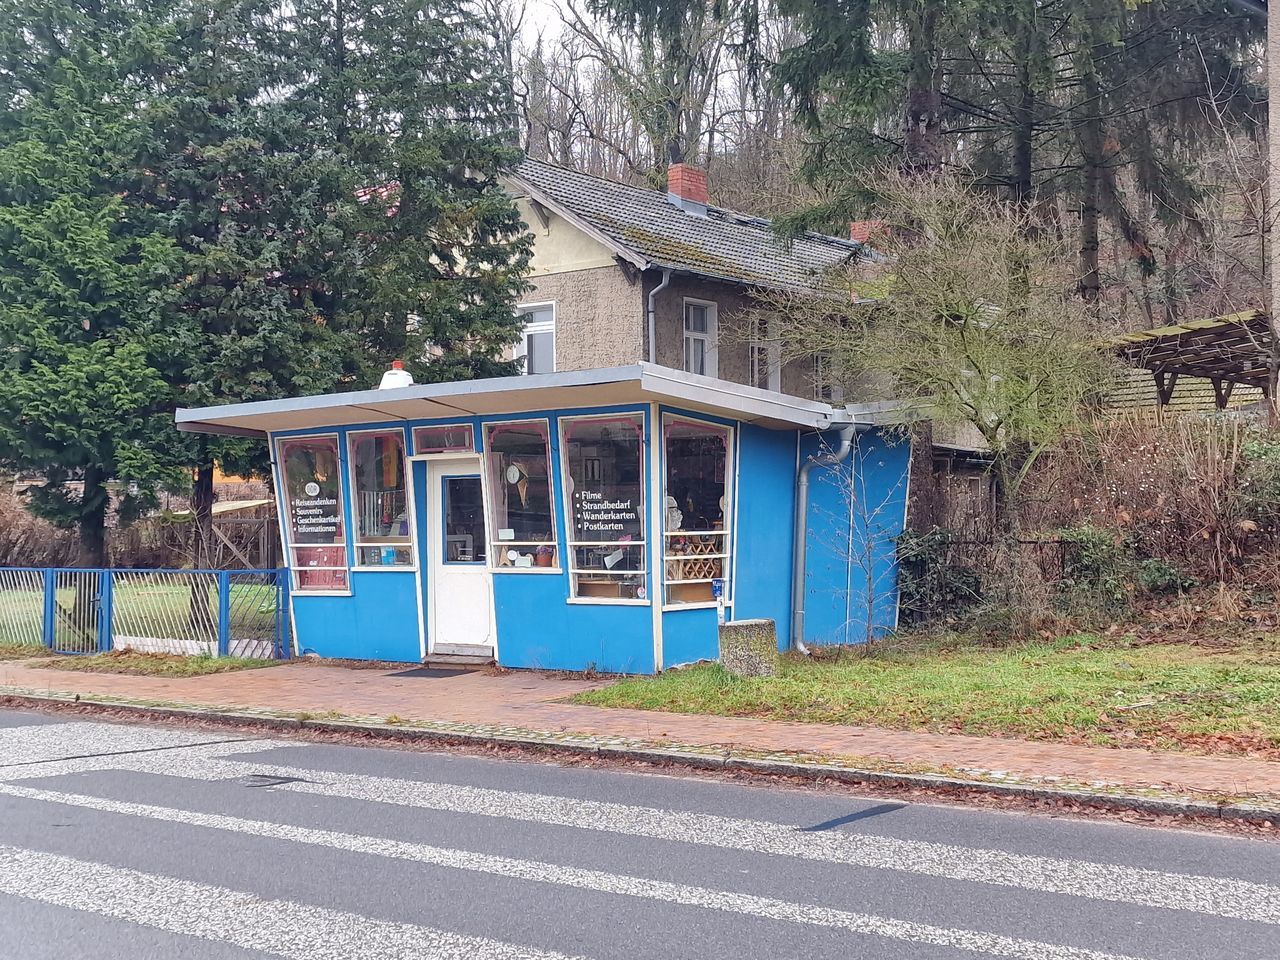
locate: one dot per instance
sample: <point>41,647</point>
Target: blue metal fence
<point>215,612</point>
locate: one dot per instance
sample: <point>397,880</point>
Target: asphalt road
<point>141,842</point>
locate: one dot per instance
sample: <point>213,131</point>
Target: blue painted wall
<point>855,513</point>
<point>379,621</point>
<point>766,525</point>
<point>689,636</point>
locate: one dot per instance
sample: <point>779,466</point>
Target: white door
<point>460,605</point>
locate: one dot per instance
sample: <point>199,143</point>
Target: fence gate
<point>77,613</point>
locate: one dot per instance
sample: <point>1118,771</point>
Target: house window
<point>312,480</point>
<point>451,438</point>
<point>825,385</point>
<point>523,531</point>
<point>697,500</point>
<point>766,361</point>
<point>538,339</point>
<point>383,537</point>
<point>700,337</point>
<point>604,504</point>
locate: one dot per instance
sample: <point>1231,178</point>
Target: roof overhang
<point>1229,349</point>
<point>638,383</point>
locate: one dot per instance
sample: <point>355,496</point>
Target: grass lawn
<point>1083,689</point>
<point>22,651</point>
<point>154,664</point>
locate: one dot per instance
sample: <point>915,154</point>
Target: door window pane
<point>695,355</point>
<point>522,531</point>
<point>381,503</point>
<point>604,493</point>
<point>695,318</point>
<point>463,508</point>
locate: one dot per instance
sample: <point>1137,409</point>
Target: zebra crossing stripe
<point>279,928</point>
<point>766,908</point>
<point>1215,896</point>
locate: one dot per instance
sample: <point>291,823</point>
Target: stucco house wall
<point>599,316</point>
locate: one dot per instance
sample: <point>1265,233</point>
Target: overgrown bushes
<point>1129,510</point>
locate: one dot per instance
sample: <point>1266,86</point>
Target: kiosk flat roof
<point>637,383</point>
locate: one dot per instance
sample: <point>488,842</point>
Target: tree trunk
<point>93,519</point>
<point>1091,151</point>
<point>202,552</point>
<point>1272,182</point>
<point>922,137</point>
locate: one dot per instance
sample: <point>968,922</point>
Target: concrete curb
<point>610,749</point>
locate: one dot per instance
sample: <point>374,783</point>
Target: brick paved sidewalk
<point>528,701</point>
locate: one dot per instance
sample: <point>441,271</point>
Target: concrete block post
<point>749,648</point>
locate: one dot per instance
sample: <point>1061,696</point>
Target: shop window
<point>522,531</point>
<point>463,509</point>
<point>604,502</point>
<point>538,340</point>
<point>700,337</point>
<point>383,535</point>
<point>313,504</point>
<point>450,438</point>
<point>696,507</point>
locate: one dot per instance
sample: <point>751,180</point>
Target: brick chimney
<point>861,231</point>
<point>687,188</point>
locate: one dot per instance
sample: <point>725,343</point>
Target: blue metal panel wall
<point>689,636</point>
<point>379,621</point>
<point>855,512</point>
<point>767,462</point>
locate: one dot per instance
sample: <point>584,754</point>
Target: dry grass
<point>154,664</point>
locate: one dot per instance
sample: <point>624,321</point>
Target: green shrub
<point>930,583</point>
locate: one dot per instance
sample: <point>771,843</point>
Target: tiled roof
<point>723,244</point>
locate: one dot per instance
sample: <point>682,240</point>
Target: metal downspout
<point>835,458</point>
<point>653,316</point>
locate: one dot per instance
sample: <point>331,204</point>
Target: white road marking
<point>1216,896</point>
<point>277,927</point>
<point>766,908</point>
<point>44,742</point>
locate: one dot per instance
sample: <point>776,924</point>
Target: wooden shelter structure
<point>1228,350</point>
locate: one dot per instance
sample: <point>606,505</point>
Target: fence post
<point>224,613</point>
<point>106,585</point>
<point>49,626</point>
<point>284,642</point>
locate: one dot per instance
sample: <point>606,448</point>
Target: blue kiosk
<point>599,519</point>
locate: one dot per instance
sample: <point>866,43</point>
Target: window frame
<point>286,517</point>
<point>444,519</point>
<point>766,358</point>
<point>527,327</point>
<point>471,434</point>
<point>490,502</point>
<point>710,338</point>
<point>728,531</point>
<point>646,572</point>
<point>356,543</point>
<point>823,389</point>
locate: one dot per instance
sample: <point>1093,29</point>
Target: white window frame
<point>286,518</point>
<point>726,552</point>
<point>643,543</point>
<point>521,348</point>
<point>710,339</point>
<point>823,389</point>
<point>356,542</point>
<point>766,358</point>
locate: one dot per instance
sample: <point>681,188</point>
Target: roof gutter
<point>801,539</point>
<point>653,316</point>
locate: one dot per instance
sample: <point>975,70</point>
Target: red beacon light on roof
<point>397,376</point>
